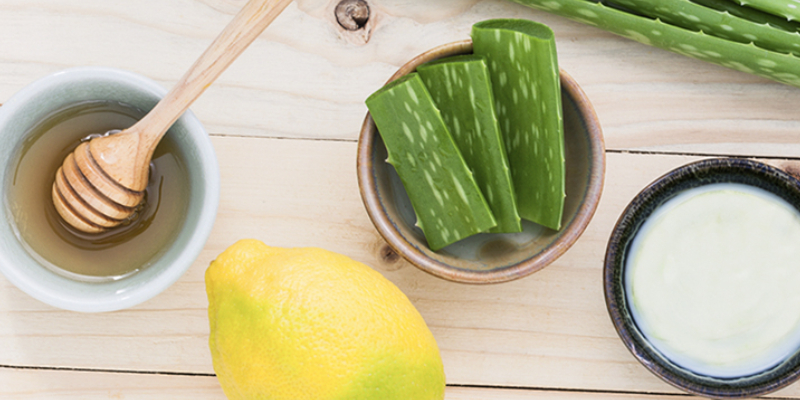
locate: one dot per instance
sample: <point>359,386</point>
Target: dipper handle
<point>100,184</point>
<point>251,20</point>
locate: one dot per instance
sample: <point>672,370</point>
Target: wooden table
<point>286,116</point>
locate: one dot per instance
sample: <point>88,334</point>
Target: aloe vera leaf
<point>721,22</point>
<point>526,84</point>
<point>750,14</point>
<point>689,15</point>
<point>447,201</point>
<point>616,6</point>
<point>789,9</point>
<point>462,90</point>
<point>749,58</point>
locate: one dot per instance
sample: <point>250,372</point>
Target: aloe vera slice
<point>749,58</point>
<point>448,203</point>
<point>686,14</point>
<point>462,90</point>
<point>527,90</point>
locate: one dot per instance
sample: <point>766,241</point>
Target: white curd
<point>713,279</point>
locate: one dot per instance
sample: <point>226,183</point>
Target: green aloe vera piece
<point>448,203</point>
<point>784,68</point>
<point>462,90</point>
<point>689,15</point>
<point>527,90</point>
<point>750,14</point>
<point>789,9</point>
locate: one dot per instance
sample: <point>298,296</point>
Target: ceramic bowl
<point>487,258</point>
<point>41,98</point>
<point>725,170</point>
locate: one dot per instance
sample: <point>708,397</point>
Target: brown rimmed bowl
<point>487,258</point>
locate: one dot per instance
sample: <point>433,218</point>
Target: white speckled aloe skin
<point>445,197</point>
<point>462,90</point>
<point>696,17</point>
<point>712,278</point>
<point>744,57</point>
<point>523,65</point>
<point>789,9</point>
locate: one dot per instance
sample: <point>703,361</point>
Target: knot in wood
<point>352,14</point>
<point>388,255</point>
<point>791,168</point>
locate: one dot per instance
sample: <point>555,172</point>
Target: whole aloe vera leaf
<point>750,14</point>
<point>447,201</point>
<point>749,58</point>
<point>789,9</point>
<point>689,15</point>
<point>527,89</point>
<point>462,90</point>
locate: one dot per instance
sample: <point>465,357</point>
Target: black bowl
<point>725,170</point>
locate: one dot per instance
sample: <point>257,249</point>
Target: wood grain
<point>305,65</point>
<point>288,112</point>
<point>25,384</point>
<point>549,330</point>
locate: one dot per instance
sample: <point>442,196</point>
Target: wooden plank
<point>307,78</point>
<point>548,330</point>
<point>25,384</point>
<point>34,384</point>
<point>466,393</point>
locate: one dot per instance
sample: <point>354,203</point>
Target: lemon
<point>306,323</point>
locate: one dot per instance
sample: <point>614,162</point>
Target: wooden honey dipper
<point>101,183</point>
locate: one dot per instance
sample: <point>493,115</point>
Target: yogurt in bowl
<point>712,278</point>
<point>701,278</point>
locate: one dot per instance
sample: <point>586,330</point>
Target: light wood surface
<point>288,112</point>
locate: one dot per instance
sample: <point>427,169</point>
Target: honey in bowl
<point>119,252</point>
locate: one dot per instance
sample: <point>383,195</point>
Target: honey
<point>119,252</point>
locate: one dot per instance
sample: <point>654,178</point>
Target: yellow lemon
<point>306,323</point>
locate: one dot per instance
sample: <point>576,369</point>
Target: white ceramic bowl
<point>33,103</point>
